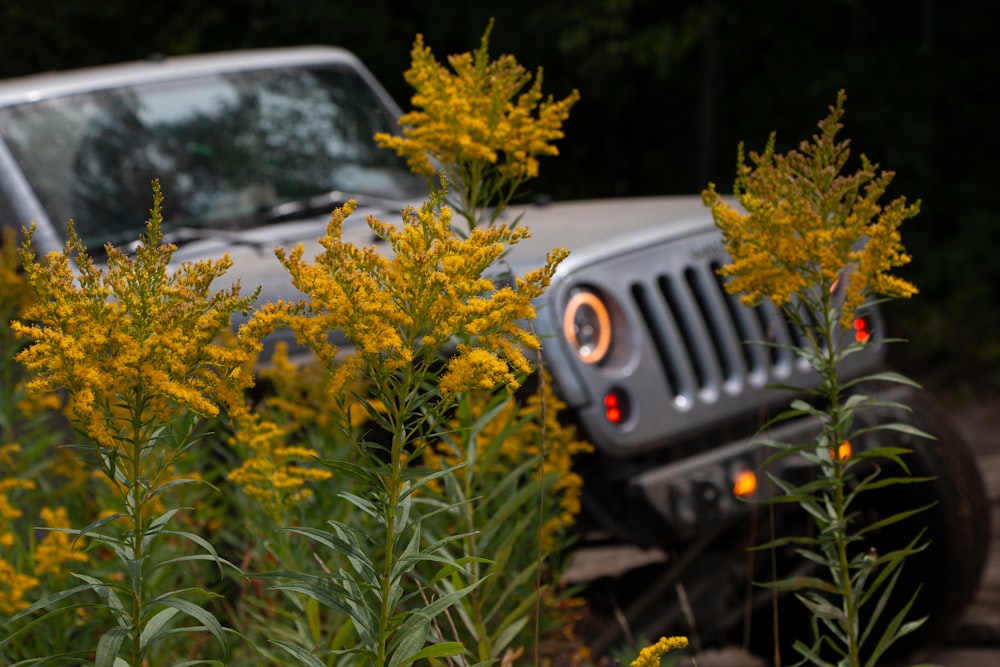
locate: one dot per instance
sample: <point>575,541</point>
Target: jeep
<point>655,361</point>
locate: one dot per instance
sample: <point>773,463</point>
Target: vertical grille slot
<point>714,315</point>
<point>684,317</point>
<point>747,327</point>
<point>667,342</point>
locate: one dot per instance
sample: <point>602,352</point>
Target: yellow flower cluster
<point>13,587</point>
<point>475,114</point>
<point>10,482</point>
<point>297,392</point>
<point>805,225</point>
<point>406,307</point>
<point>57,548</point>
<point>277,475</point>
<point>137,332</point>
<point>14,582</point>
<point>651,656</point>
<point>50,554</point>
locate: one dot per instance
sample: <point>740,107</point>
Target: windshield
<point>224,147</point>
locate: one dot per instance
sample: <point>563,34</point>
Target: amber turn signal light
<point>744,483</point>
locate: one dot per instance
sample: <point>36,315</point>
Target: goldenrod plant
<point>41,487</point>
<point>32,563</point>
<point>277,448</point>
<point>132,346</point>
<point>401,312</point>
<point>516,502</point>
<point>817,242</point>
<point>652,655</point>
<point>478,124</point>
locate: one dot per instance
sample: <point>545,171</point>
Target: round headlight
<point>587,327</point>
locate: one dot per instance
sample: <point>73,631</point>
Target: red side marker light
<point>862,330</point>
<point>615,406</point>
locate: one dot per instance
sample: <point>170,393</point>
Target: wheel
<point>958,525</point>
<point>957,535</point>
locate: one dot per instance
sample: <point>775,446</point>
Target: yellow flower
<point>56,548</point>
<point>651,656</point>
<point>405,308</point>
<point>13,587</point>
<point>276,475</point>
<point>478,122</point>
<point>133,333</point>
<point>9,482</point>
<point>804,225</point>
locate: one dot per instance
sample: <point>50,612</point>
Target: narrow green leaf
<point>409,641</point>
<point>302,655</point>
<point>151,631</point>
<point>109,645</point>
<point>883,376</point>
<point>509,632</point>
<point>89,531</point>
<point>797,584</point>
<point>107,593</point>
<point>206,618</point>
<point>894,630</point>
<point>895,518</point>
<point>440,650</point>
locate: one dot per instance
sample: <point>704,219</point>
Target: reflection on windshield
<point>224,148</point>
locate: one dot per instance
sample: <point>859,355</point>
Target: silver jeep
<point>254,149</point>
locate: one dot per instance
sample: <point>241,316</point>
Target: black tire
<point>958,525</point>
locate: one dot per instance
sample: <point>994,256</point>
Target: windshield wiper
<point>325,203</point>
<point>181,236</point>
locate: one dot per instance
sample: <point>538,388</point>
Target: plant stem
<point>136,505</point>
<point>830,361</point>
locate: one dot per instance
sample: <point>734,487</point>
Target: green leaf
<point>797,584</point>
<point>302,655</point>
<point>509,631</point>
<point>89,530</point>
<point>363,504</point>
<point>430,477</point>
<point>333,599</point>
<point>351,470</point>
<point>440,650</point>
<point>895,518</point>
<point>894,630</point>
<point>884,376</point>
<point>107,593</point>
<point>409,640</point>
<point>44,602</point>
<point>109,645</point>
<point>206,618</point>
<point>151,631</point>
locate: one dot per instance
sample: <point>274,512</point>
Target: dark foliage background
<point>669,89</point>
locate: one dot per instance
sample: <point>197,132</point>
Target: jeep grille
<point>683,360</point>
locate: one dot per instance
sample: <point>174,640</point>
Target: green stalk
<point>137,528</point>
<point>388,559</point>
<point>841,566</point>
